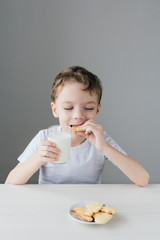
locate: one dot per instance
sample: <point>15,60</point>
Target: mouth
<point>76,125</point>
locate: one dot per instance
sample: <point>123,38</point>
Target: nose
<point>78,113</point>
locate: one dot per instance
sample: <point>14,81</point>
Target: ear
<point>98,108</point>
<point>54,109</point>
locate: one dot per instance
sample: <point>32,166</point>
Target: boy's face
<point>75,106</point>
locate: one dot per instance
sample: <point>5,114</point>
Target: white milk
<point>63,142</point>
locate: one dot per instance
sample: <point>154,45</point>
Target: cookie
<point>75,129</point>
<point>82,212</point>
<point>101,218</point>
<point>88,212</point>
<point>95,207</point>
<point>109,210</point>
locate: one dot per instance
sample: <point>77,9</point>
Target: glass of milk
<point>61,135</point>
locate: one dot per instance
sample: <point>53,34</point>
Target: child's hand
<point>94,133</point>
<point>48,152</point>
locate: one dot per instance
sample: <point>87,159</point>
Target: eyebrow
<point>90,102</point>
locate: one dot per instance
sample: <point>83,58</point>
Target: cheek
<point>91,115</point>
<point>64,115</point>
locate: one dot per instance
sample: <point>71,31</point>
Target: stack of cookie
<point>96,212</point>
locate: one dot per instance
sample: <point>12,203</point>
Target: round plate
<point>81,204</point>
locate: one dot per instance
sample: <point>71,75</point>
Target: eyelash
<point>88,109</point>
<point>68,108</point>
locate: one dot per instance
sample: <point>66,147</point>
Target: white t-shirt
<point>85,165</point>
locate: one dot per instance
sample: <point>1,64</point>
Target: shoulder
<point>33,145</point>
<point>37,139</point>
<point>40,136</point>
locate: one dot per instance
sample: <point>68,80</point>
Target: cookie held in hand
<point>75,129</point>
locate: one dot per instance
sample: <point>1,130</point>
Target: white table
<point>41,212</point>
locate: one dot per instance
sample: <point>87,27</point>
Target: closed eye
<point>68,108</point>
<point>89,108</point>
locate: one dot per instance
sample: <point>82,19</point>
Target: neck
<point>77,140</point>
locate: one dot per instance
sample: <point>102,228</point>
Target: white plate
<point>81,204</point>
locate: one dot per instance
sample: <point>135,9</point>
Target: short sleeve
<point>32,146</point>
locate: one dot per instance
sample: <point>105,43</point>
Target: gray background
<point>117,40</point>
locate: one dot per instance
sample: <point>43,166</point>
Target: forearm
<point>22,173</point>
<point>127,165</point>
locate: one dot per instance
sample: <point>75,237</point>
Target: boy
<point>76,101</point>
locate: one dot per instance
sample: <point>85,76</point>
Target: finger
<point>84,131</point>
<point>89,131</point>
<point>87,124</point>
<point>48,143</point>
<point>89,121</point>
<point>80,133</point>
<point>50,149</point>
<point>50,154</point>
<point>94,127</point>
<point>47,159</point>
